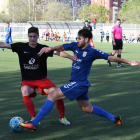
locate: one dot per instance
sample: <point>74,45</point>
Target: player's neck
<point>85,46</point>
<point>32,45</point>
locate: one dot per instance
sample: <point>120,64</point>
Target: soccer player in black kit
<point>34,71</point>
<point>88,27</point>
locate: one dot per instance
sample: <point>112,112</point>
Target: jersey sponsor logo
<point>31,67</point>
<point>76,63</point>
<point>84,54</point>
<point>32,61</point>
<point>26,52</point>
<point>69,85</point>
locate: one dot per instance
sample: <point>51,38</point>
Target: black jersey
<point>33,67</point>
<point>88,27</point>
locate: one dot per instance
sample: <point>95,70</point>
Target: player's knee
<point>24,93</point>
<point>52,96</point>
<point>87,110</point>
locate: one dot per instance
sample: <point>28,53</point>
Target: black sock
<point>119,57</point>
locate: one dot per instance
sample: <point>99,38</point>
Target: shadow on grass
<point>116,90</point>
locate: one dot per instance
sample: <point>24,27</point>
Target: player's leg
<point>119,55</point>
<point>91,43</point>
<point>59,104</point>
<point>88,108</point>
<point>27,93</point>
<point>45,109</point>
<point>112,54</point>
<point>45,87</point>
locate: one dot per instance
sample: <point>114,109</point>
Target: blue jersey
<point>81,67</point>
<point>8,30</point>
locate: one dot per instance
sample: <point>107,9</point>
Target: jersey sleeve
<point>16,47</point>
<point>98,54</point>
<point>70,47</point>
<point>113,30</point>
<point>50,54</point>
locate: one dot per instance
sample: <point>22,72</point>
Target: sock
<point>29,105</point>
<point>45,109</point>
<point>119,57</point>
<point>61,108</point>
<point>99,111</point>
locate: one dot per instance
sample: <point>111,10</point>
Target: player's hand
<point>114,43</point>
<point>74,58</point>
<point>134,63</point>
<point>45,50</point>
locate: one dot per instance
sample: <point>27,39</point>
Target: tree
<point>84,12</point>
<point>101,13</point>
<point>130,12</point>
<point>57,12</point>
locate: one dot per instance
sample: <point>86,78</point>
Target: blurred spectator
<point>129,38</point>
<point>47,34</point>
<point>138,38</point>
<point>55,36</point>
<point>88,21</point>
<point>107,36</point>
<point>102,35</point>
<point>58,36</point>
<point>94,23</point>
<point>68,36</point>
<point>64,36</point>
<point>124,37</point>
<point>132,38</point>
<point>52,36</point>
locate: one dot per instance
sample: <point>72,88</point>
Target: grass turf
<point>116,90</point>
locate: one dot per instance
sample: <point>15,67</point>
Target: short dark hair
<point>86,20</point>
<point>85,33</point>
<point>7,23</point>
<point>33,30</point>
<point>118,19</point>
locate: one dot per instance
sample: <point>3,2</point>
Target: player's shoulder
<point>42,45</point>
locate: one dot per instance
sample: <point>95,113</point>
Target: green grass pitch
<point>116,90</point>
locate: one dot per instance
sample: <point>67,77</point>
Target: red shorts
<point>38,84</point>
<point>91,41</point>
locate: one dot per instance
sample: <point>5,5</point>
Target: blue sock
<point>45,109</point>
<point>99,111</point>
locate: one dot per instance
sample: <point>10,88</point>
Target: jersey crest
<point>84,54</point>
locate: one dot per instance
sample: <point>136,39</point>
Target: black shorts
<point>47,34</point>
<point>118,45</point>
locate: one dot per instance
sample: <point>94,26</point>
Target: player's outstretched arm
<point>5,45</point>
<point>65,55</point>
<point>48,49</point>
<point>120,60</point>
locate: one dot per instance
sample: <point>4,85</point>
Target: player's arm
<point>120,60</point>
<point>112,35</point>
<point>48,49</point>
<point>65,55</point>
<point>5,45</point>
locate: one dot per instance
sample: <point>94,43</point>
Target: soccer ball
<point>14,124</point>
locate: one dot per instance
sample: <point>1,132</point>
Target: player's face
<point>118,23</point>
<point>86,23</point>
<point>33,37</point>
<point>81,41</point>
<point>7,25</point>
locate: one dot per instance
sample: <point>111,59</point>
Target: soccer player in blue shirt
<point>8,35</point>
<point>78,86</point>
